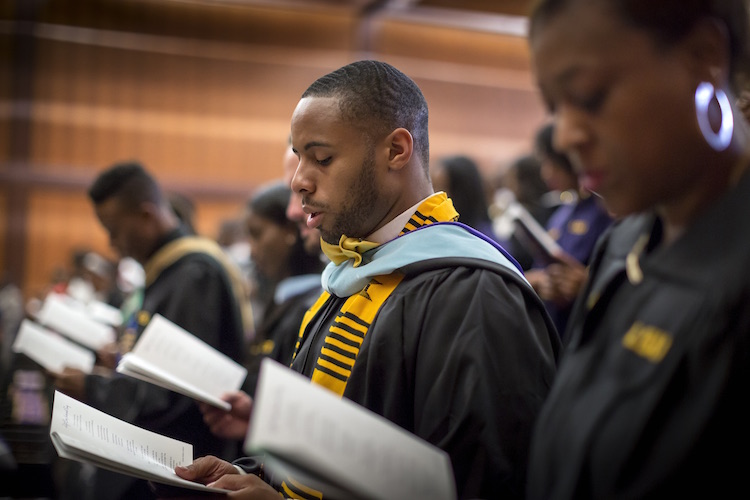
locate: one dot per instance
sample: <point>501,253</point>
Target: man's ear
<point>400,145</point>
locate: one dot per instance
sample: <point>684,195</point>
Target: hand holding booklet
<point>535,238</point>
<point>84,434</point>
<point>170,357</point>
<point>59,314</point>
<point>51,350</point>
<point>304,431</point>
<point>338,447</point>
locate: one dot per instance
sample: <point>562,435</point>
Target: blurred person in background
<point>293,274</point>
<point>575,225</point>
<point>232,239</point>
<point>11,315</point>
<point>96,279</point>
<point>234,424</point>
<point>460,178</point>
<point>521,182</point>
<point>188,280</point>
<point>184,208</point>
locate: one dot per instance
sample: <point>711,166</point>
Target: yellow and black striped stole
<point>309,314</point>
<point>345,336</point>
<point>436,208</point>
<point>341,347</point>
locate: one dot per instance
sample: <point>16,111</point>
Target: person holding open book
<point>423,320</point>
<point>190,282</point>
<point>291,274</point>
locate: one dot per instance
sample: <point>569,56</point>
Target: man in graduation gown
<point>190,282</point>
<point>422,319</point>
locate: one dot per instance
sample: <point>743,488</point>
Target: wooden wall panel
<point>3,228</point>
<point>5,104</point>
<point>5,125</point>
<point>483,101</point>
<point>493,133</point>
<point>323,27</point>
<point>220,165</point>
<point>229,118</point>
<point>59,223</point>
<point>103,76</point>
<point>202,94</point>
<point>211,213</point>
<point>507,7</point>
<point>443,43</point>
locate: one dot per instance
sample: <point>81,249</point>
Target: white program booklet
<point>74,322</point>
<point>170,357</point>
<point>338,447</point>
<point>85,434</point>
<point>104,313</point>
<point>51,350</point>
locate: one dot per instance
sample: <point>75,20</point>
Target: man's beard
<point>358,206</point>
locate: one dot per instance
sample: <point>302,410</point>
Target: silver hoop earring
<point>703,94</point>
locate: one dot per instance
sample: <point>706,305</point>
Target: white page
<point>143,370</point>
<point>104,313</point>
<point>170,355</point>
<point>50,350</point>
<point>85,434</point>
<point>74,323</point>
<point>341,442</point>
<point>540,237</point>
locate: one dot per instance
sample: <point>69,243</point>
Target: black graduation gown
<point>462,354</point>
<point>280,327</point>
<point>650,399</point>
<point>195,293</point>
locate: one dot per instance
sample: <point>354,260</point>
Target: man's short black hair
<point>129,182</point>
<point>377,98</point>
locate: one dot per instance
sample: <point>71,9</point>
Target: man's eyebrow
<point>311,144</point>
<point>314,144</point>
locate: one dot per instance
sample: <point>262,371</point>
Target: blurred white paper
<point>104,313</point>
<point>338,447</point>
<point>73,322</point>
<point>170,357</point>
<point>85,434</point>
<point>51,350</point>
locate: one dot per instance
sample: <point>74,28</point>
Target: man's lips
<point>314,214</point>
<point>313,219</point>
